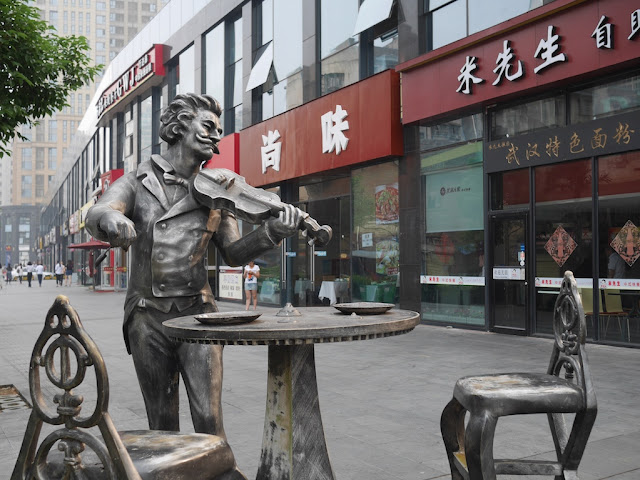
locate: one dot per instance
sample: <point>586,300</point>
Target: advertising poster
<point>387,204</point>
<point>231,285</point>
<point>454,201</point>
<point>387,257</point>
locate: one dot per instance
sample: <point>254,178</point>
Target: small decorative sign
<point>627,243</point>
<point>560,246</point>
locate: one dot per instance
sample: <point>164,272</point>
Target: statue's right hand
<point>121,231</point>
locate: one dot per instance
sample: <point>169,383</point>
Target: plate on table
<point>227,318</point>
<point>364,308</point>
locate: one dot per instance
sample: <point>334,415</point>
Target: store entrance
<point>508,277</point>
<point>321,273</point>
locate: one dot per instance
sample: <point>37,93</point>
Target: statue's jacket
<point>168,254</point>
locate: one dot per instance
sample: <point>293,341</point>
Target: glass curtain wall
<point>278,56</point>
<point>214,65</point>
<point>233,76</point>
<point>445,21</point>
<point>375,249</point>
<point>339,49</point>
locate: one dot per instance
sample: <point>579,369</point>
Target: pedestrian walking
<point>39,272</point>
<point>251,275</point>
<point>9,274</point>
<point>29,268</point>
<point>59,271</point>
<point>19,272</point>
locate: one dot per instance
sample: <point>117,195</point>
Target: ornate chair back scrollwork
<point>133,455</point>
<point>566,388</point>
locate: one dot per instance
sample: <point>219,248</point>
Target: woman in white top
<point>251,275</point>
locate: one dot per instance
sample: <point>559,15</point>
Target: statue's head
<point>177,118</point>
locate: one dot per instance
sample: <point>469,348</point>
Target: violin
<point>219,188</point>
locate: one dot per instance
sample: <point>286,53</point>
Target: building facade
<point>34,163</point>
<point>464,154</point>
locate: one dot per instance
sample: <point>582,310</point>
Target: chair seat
<point>177,456</point>
<point>518,393</point>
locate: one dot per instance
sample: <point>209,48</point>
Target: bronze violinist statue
<point>168,222</point>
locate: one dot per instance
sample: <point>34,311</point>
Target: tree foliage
<point>38,68</point>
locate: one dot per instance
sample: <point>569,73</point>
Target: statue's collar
<point>162,164</point>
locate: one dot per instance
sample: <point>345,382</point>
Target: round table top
<point>316,325</point>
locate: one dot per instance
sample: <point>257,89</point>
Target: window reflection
<point>340,70</point>
<point>528,117</point>
<point>337,21</point>
<point>214,63</point>
<point>605,100</point>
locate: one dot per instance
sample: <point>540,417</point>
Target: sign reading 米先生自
<point>148,66</point>
<point>558,42</point>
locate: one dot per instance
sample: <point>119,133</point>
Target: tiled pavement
<point>380,399</point>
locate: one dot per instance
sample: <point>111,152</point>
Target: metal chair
<point>488,397</point>
<point>139,454</point>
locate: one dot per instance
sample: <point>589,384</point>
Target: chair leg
<point>479,446</point>
<point>452,428</point>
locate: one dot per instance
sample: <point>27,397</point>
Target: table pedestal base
<point>293,443</point>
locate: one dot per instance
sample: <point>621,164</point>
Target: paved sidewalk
<point>380,399</point>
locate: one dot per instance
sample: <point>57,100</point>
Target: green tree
<point>38,69</point>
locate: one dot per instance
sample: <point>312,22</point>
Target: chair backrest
<point>586,294</point>
<point>613,301</point>
<point>570,332</point>
<point>64,339</point>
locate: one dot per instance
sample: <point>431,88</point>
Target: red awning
<point>92,244</point>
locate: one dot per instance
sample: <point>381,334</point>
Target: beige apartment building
<point>108,25</point>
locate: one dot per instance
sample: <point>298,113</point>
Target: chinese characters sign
<point>537,49</point>
<point>595,138</point>
<point>548,51</point>
<point>337,130</point>
<point>148,66</point>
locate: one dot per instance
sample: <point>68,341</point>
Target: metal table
<point>293,443</point>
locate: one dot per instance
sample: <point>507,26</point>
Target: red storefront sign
<point>148,67</point>
<point>355,124</point>
<point>551,45</point>
<point>229,156</point>
<point>107,178</point>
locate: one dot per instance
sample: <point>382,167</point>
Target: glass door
<point>508,276</point>
<point>321,272</point>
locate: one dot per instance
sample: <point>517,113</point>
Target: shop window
<point>453,244</point>
<point>185,80</point>
<point>619,245</point>
<point>528,117</point>
<point>375,249</point>
<point>563,232</point>
<point>605,100</point>
<point>145,127</point>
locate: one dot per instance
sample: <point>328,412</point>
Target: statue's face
<point>202,135</point>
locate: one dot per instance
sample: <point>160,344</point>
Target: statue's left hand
<point>286,224</point>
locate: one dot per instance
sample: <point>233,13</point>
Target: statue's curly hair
<point>181,111</point>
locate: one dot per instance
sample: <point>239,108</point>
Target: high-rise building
<point>108,26</point>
